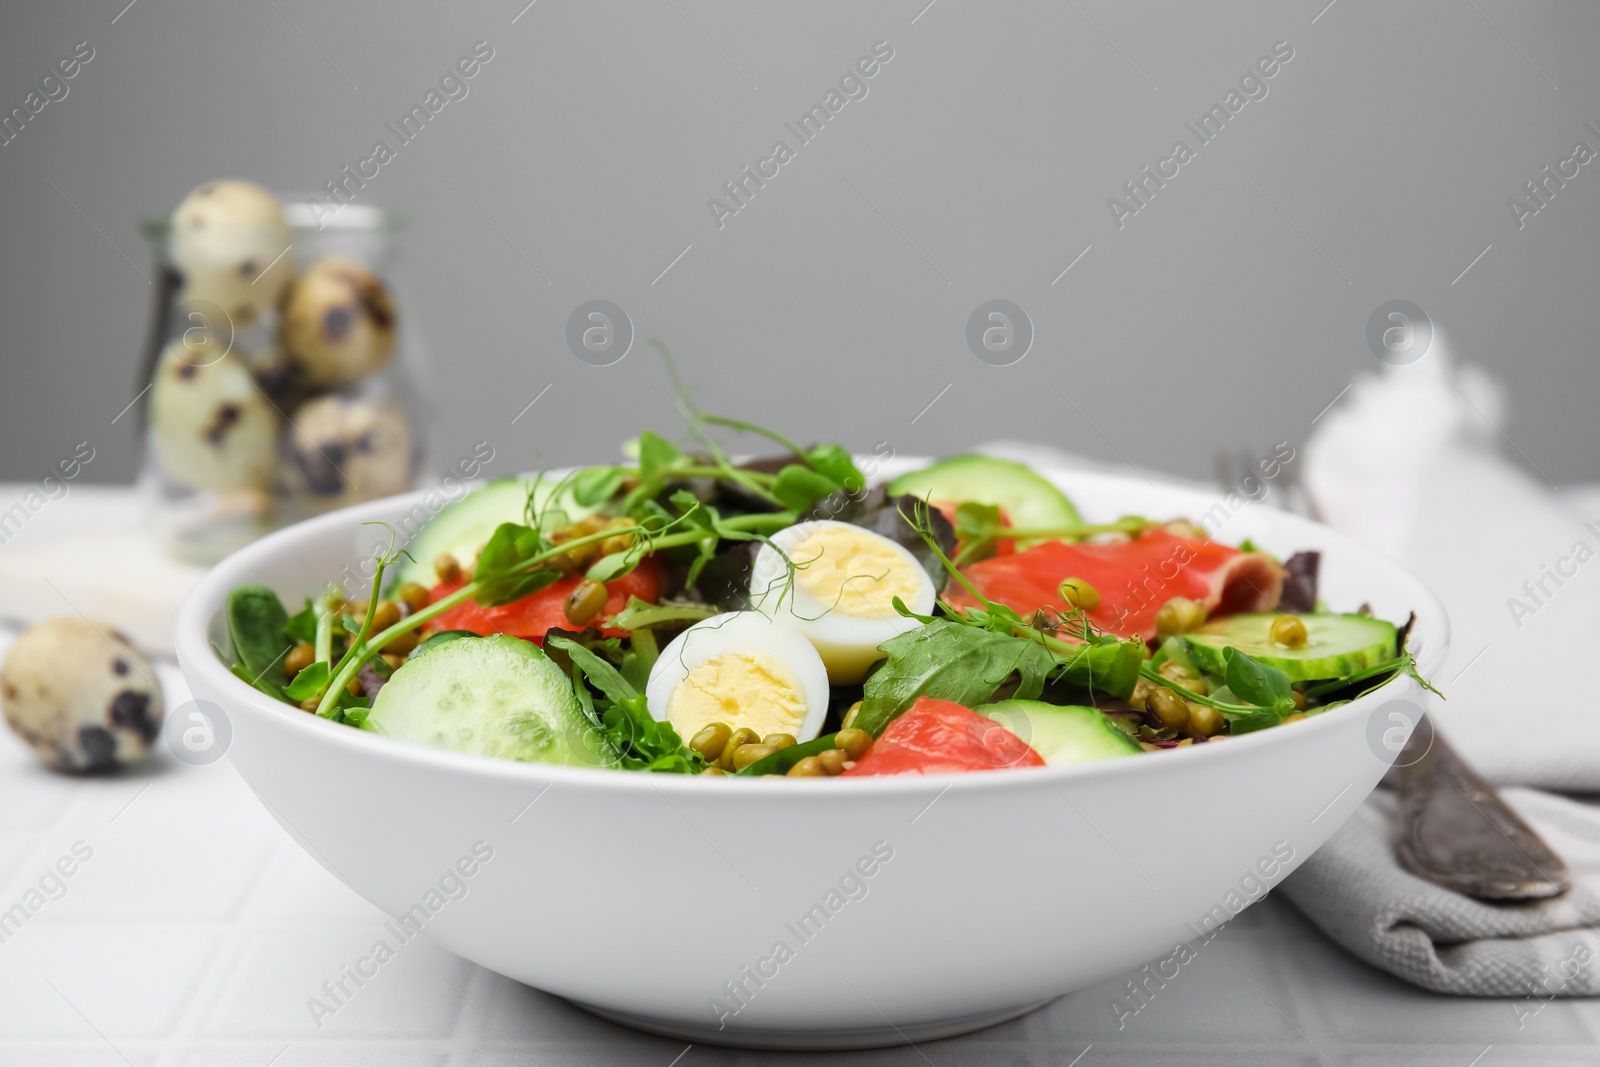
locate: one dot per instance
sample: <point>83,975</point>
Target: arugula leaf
<point>602,675</point>
<point>511,544</point>
<point>256,621</point>
<point>799,487</point>
<point>949,661</point>
<point>1256,683</point>
<point>310,682</point>
<point>1088,657</point>
<point>627,732</point>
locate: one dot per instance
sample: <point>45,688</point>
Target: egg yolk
<point>853,573</point>
<point>740,689</point>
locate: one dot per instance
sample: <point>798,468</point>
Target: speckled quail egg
<point>838,588</point>
<point>80,695</point>
<point>278,376</point>
<point>338,322</point>
<point>211,426</point>
<point>231,244</point>
<point>341,450</point>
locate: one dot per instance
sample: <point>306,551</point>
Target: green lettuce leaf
<point>627,731</point>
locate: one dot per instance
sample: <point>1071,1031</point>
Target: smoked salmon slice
<point>1134,578</point>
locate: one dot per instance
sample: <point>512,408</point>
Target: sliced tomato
<point>538,613</point>
<point>939,737</point>
<point>1134,578</point>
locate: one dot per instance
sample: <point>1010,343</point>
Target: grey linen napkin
<point>1355,890</point>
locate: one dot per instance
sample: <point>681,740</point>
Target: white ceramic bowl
<point>649,899</point>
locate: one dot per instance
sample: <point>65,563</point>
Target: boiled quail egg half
<point>836,584</point>
<point>744,669</point>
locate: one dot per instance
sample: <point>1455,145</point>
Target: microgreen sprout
<point>517,566</point>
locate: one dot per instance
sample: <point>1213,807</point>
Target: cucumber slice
<point>1029,500</point>
<point>463,527</point>
<point>1062,734</point>
<point>487,696</point>
<point>1337,646</point>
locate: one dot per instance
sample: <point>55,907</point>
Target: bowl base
<point>813,1039</point>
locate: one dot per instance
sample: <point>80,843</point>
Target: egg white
<point>751,633</point>
<point>847,644</point>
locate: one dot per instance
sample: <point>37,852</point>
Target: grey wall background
<point>1227,313</point>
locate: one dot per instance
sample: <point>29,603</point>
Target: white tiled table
<point>197,930</point>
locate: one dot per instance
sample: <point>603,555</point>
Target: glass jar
<point>285,373</point>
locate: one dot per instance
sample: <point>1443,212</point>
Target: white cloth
<point>1414,462</point>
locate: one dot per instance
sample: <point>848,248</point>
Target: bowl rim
<point>196,657</point>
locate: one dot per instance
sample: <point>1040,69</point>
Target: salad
<point>683,613</point>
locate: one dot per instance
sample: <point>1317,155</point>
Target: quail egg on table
<point>80,695</point>
<point>742,669</point>
<point>211,427</point>
<point>338,322</point>
<point>230,242</point>
<point>341,450</point>
<point>838,588</point>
